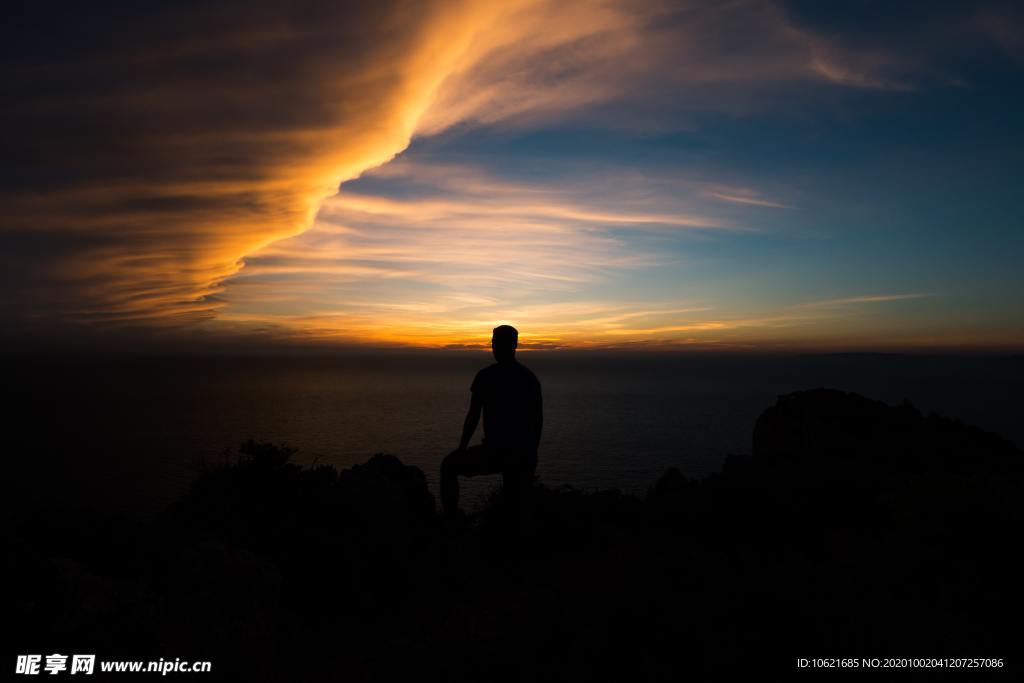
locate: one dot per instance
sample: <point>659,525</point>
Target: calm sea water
<point>133,432</point>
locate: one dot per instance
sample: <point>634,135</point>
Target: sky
<point>739,175</point>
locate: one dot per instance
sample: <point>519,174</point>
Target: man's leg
<point>517,474</point>
<point>473,461</point>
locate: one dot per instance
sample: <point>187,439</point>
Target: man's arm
<point>472,419</point>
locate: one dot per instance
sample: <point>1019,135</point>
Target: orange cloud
<point>205,138</point>
<point>160,150</point>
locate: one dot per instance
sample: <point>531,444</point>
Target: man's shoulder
<point>527,372</point>
<point>488,370</point>
<point>484,375</point>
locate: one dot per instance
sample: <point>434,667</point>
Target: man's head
<point>504,340</point>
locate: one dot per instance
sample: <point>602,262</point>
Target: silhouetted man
<point>509,396</point>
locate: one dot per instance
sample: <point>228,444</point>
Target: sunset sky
<point>740,175</point>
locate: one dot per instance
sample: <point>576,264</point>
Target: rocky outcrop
<point>823,425</point>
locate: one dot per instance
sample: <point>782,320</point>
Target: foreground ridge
<point>854,529</point>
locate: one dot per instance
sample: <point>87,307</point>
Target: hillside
<point>854,529</point>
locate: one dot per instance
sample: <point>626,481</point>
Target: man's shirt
<point>510,395</point>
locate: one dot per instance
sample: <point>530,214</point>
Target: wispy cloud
<point>493,244</point>
<point>749,199</point>
<point>437,254</point>
<point>866,299</point>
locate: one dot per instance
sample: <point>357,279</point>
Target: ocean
<point>131,432</point>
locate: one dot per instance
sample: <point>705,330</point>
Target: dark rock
<point>835,426</point>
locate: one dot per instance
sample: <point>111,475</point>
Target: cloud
<point>749,198</point>
<point>151,149</point>
<point>168,143</point>
<point>435,254</point>
<point>866,299</point>
<point>493,245</point>
<point>544,60</point>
